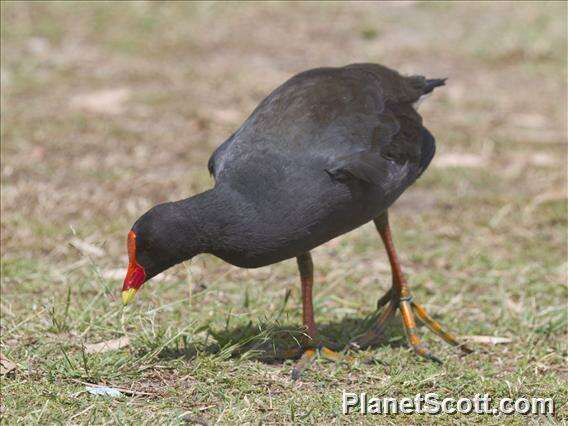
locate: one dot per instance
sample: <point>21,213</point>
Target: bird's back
<point>325,152</point>
<point>329,113</point>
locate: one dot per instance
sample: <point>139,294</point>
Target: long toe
<point>304,362</point>
<point>422,350</point>
<point>435,327</point>
<point>310,355</point>
<point>376,333</point>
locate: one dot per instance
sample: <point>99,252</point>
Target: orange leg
<point>306,268</point>
<point>313,345</point>
<point>400,297</point>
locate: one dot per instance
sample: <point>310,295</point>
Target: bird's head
<point>159,239</point>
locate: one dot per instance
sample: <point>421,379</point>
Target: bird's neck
<point>205,216</point>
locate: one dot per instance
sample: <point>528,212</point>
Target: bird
<point>328,151</point>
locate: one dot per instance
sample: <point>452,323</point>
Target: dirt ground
<point>110,108</point>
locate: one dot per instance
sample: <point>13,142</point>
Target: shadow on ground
<point>272,342</point>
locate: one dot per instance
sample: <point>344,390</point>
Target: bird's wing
<point>391,167</point>
<point>413,143</point>
<point>372,168</point>
<point>331,113</point>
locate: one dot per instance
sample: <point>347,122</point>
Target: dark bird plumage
<point>326,152</point>
<point>323,154</point>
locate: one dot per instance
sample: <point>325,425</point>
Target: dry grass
<point>108,109</point>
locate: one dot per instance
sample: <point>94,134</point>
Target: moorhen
<point>326,152</point>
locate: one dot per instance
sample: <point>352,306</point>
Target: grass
<point>482,235</point>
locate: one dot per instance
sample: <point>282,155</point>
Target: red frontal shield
<point>135,275</point>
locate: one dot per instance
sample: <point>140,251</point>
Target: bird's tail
<point>432,83</point>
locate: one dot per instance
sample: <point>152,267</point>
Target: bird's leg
<point>313,344</point>
<point>401,291</point>
<point>401,298</point>
<point>306,268</point>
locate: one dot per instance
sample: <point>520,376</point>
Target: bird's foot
<point>310,354</point>
<point>408,307</point>
<point>309,351</point>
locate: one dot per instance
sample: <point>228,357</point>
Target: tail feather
<point>432,83</point>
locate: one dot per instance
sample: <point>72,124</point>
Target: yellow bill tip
<point>128,295</point>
